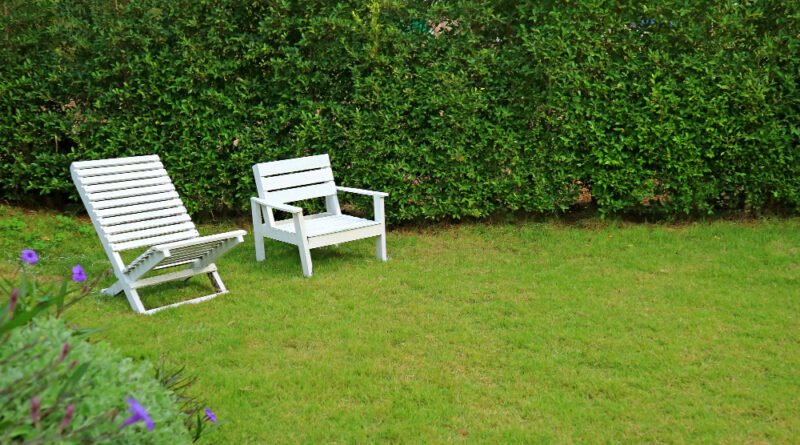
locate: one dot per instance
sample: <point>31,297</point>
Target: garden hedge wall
<point>456,108</point>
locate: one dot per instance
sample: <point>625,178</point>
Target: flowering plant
<point>56,387</point>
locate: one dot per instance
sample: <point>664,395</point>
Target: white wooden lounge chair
<point>290,180</point>
<point>133,205</point>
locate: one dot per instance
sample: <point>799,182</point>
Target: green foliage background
<point>673,107</point>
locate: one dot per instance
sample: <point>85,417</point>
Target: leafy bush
<point>91,378</point>
<point>454,108</point>
<point>58,388</point>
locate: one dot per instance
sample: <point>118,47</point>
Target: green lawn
<point>533,331</point>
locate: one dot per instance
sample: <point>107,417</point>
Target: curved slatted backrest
<point>132,202</point>
<point>295,179</point>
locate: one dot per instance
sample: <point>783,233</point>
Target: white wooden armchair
<point>133,204</point>
<point>290,180</point>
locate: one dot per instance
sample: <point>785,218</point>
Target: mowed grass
<point>534,331</point>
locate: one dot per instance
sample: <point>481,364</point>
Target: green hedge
<point>456,109</point>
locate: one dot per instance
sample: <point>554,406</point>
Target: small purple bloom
<point>67,417</point>
<point>14,298</point>
<point>29,256</point>
<point>64,352</point>
<point>139,413</point>
<point>78,274</point>
<point>210,416</point>
<point>35,404</point>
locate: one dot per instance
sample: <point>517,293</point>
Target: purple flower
<point>210,416</point>
<point>35,404</point>
<point>78,274</point>
<point>139,413</point>
<point>64,352</point>
<point>29,256</point>
<point>67,417</point>
<point>14,298</point>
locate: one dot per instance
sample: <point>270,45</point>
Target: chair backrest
<point>295,179</point>
<point>132,203</point>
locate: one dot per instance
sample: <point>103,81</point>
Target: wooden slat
<point>118,169</point>
<point>300,193</point>
<point>186,273</point>
<point>114,161</point>
<point>150,233</point>
<point>128,192</point>
<point>293,165</point>
<point>175,209</point>
<point>298,179</point>
<point>331,224</point>
<point>147,224</point>
<point>174,264</point>
<point>117,211</point>
<point>146,242</point>
<point>345,236</point>
<point>109,186</point>
<point>91,180</point>
<point>134,200</point>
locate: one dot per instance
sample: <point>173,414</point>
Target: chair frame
<point>133,204</point>
<point>290,180</point>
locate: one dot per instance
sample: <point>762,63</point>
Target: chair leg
<point>115,288</point>
<point>216,281</point>
<point>258,234</point>
<point>259,239</point>
<point>305,259</point>
<point>134,300</point>
<point>380,247</point>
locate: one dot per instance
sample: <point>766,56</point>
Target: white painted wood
<point>147,224</point>
<point>151,233</point>
<point>330,224</point>
<point>124,185</point>
<point>345,236</point>
<point>135,200</point>
<point>111,222</point>
<point>172,276</point>
<point>302,245</point>
<point>80,165</point>
<point>380,243</point>
<point>121,178</point>
<point>309,177</point>
<point>153,258</point>
<point>292,165</point>
<point>139,208</point>
<point>133,204</point>
<point>276,205</point>
<point>299,179</point>
<point>131,191</point>
<point>302,193</point>
<point>361,191</point>
<point>258,230</point>
<point>120,169</point>
<point>161,239</point>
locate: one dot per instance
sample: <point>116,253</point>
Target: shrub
<point>454,108</point>
<point>58,388</point>
<point>91,378</point>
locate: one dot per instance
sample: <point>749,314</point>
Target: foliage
<point>58,388</point>
<point>91,378</point>
<point>195,417</point>
<point>455,108</point>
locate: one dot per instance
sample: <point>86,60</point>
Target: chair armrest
<point>362,191</point>
<point>275,205</point>
<point>237,234</point>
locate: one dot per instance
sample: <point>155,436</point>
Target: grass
<point>596,331</point>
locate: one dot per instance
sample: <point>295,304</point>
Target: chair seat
<point>326,225</point>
